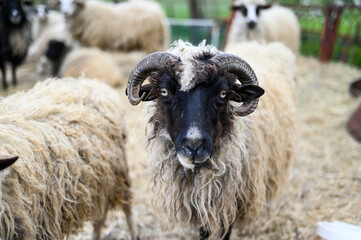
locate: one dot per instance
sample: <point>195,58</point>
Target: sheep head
<point>250,11</point>
<point>194,98</point>
<point>13,12</point>
<point>71,7</point>
<point>42,12</point>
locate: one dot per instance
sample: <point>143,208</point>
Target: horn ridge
<point>149,64</point>
<point>233,64</point>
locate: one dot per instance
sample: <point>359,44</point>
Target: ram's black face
<point>193,99</point>
<point>13,12</point>
<point>196,119</point>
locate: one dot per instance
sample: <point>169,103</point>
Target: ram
<point>254,20</point>
<point>69,135</point>
<point>126,26</point>
<point>212,161</point>
<point>15,37</point>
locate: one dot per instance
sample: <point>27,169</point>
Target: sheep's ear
<point>149,92</point>
<point>245,93</point>
<point>7,162</point>
<point>264,7</point>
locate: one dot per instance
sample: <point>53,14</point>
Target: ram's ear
<point>149,91</point>
<point>7,162</point>
<point>245,93</point>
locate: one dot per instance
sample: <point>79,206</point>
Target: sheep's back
<point>282,25</point>
<point>86,62</point>
<point>271,126</point>
<point>114,27</point>
<point>70,136</point>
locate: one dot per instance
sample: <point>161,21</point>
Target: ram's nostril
<point>252,24</point>
<point>193,145</point>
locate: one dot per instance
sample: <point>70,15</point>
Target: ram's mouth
<point>207,163</point>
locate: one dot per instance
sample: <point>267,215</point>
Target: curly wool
<point>126,26</point>
<point>70,137</point>
<point>253,159</point>
<point>85,62</point>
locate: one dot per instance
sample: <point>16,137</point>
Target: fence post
<point>329,33</point>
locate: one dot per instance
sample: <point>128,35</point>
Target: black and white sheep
<point>254,20</point>
<point>212,161</point>
<point>47,26</point>
<point>16,37</point>
<point>70,137</point>
<point>125,26</point>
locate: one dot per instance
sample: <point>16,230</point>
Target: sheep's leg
<point>3,70</point>
<point>128,217</point>
<point>97,226</point>
<point>227,236</point>
<point>14,74</point>
<point>203,234</point>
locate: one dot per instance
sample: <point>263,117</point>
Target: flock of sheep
<point>220,125</point>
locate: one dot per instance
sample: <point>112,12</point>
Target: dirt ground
<point>325,180</point>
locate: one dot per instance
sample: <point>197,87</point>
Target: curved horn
<point>245,74</point>
<point>6,162</point>
<point>152,62</point>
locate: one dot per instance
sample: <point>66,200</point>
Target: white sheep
<point>254,20</point>
<point>126,26</point>
<point>70,137</point>
<point>60,60</point>
<point>212,163</point>
<point>85,62</point>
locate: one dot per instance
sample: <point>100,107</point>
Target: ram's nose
<point>196,150</point>
<point>193,147</point>
<point>251,24</point>
<point>15,17</point>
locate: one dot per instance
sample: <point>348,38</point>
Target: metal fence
<point>331,30</point>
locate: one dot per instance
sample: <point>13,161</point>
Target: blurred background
<point>331,29</point>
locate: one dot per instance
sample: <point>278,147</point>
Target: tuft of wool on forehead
<point>192,58</point>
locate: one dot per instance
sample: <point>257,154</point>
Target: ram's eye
<point>223,94</point>
<point>164,92</point>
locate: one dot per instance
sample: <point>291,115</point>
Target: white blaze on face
<point>194,133</point>
<point>41,12</point>
<point>251,14</point>
<point>67,7</point>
